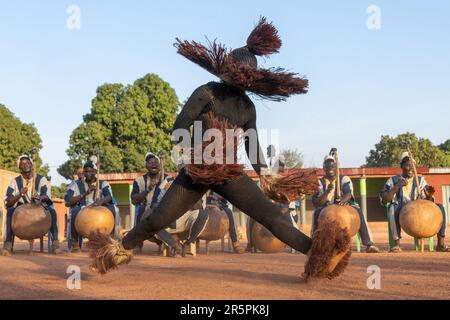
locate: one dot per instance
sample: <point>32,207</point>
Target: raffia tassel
<point>264,39</point>
<point>217,173</point>
<point>284,188</point>
<point>107,253</point>
<point>330,242</point>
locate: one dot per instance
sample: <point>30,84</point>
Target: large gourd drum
<point>93,218</point>
<point>217,226</point>
<point>421,219</point>
<point>30,221</point>
<point>265,241</point>
<point>345,216</point>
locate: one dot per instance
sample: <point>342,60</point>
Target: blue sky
<point>363,83</point>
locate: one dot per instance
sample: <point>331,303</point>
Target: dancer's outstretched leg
<point>245,195</point>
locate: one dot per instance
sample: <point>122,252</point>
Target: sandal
<point>395,249</point>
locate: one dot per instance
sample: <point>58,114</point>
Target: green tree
<point>59,192</point>
<point>125,123</point>
<point>18,138</point>
<point>292,158</point>
<point>445,147</point>
<point>388,151</point>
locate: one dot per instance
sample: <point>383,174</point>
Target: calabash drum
<point>93,218</point>
<point>421,219</point>
<point>347,218</point>
<point>265,241</point>
<point>217,226</point>
<point>30,221</point>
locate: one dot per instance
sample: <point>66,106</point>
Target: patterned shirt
<point>16,185</point>
<point>78,187</point>
<point>406,193</point>
<point>142,183</point>
<point>346,188</point>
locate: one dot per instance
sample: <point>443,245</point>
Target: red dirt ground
<point>222,275</point>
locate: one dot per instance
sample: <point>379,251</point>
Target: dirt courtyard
<point>223,275</point>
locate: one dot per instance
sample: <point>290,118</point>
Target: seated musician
<point>146,190</point>
<point>20,192</point>
<point>327,196</point>
<point>401,189</point>
<point>82,193</point>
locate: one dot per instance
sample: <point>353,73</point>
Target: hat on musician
<point>23,156</point>
<point>328,157</point>
<point>91,163</point>
<point>405,158</point>
<point>150,155</point>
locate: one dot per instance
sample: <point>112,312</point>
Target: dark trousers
<point>74,211</point>
<point>198,226</point>
<point>364,231</point>
<point>53,228</point>
<point>162,235</point>
<point>443,230</point>
<point>232,230</point>
<point>242,192</point>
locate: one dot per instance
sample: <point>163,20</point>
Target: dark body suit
<point>228,103</point>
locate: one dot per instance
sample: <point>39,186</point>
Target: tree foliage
<point>445,146</point>
<point>58,192</point>
<point>125,123</point>
<point>18,138</point>
<point>388,151</point>
<point>292,158</point>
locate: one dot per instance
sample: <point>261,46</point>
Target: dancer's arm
<point>255,155</point>
<point>192,109</point>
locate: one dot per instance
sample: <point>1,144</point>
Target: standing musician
<point>19,192</point>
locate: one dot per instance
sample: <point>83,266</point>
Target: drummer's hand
<point>37,197</point>
<point>91,189</point>
<point>24,191</point>
<point>153,183</point>
<point>342,203</point>
<point>402,183</point>
<point>98,203</point>
<point>429,192</point>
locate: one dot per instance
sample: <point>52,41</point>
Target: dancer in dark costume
<point>224,105</point>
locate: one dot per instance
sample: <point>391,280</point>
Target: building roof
<point>121,178</point>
